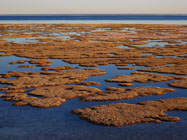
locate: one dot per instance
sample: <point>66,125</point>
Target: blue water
<point>97,18</point>
<point>29,123</point>
<point>94,17</point>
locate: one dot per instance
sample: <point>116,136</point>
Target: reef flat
<point>55,62</point>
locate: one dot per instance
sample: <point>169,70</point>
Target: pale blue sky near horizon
<point>93,7</point>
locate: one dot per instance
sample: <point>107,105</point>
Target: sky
<point>93,6</point>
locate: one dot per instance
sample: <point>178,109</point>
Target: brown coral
<point>63,77</point>
<point>179,84</point>
<point>26,66</point>
<point>180,69</point>
<point>127,114</point>
<point>42,103</point>
<point>124,93</point>
<point>141,77</point>
<point>66,92</point>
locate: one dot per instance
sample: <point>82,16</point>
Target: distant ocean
<point>99,18</point>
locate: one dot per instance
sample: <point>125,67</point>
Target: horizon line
<point>91,14</point>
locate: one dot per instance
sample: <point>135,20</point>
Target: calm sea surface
<point>97,19</point>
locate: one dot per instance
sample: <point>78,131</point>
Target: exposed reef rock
<point>113,94</point>
<point>179,84</point>
<point>127,114</point>
<point>180,69</point>
<point>141,77</point>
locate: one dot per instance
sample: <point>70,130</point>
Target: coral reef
<point>127,114</point>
